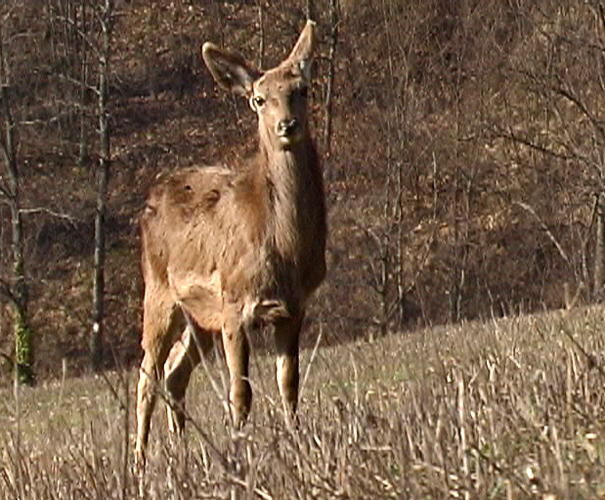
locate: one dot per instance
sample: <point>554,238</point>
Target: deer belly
<point>201,298</point>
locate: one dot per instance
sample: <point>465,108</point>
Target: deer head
<point>278,96</point>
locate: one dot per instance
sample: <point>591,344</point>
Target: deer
<point>226,250</point>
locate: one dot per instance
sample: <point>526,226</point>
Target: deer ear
<point>302,53</point>
<point>230,71</point>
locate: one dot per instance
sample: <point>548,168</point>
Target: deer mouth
<point>289,139</point>
<point>289,132</point>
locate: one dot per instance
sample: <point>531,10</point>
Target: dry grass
<point>509,409</point>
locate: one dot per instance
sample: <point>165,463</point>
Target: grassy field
<point>507,409</point>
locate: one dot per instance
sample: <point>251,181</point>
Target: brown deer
<point>226,250</point>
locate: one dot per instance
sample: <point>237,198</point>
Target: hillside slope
<point>462,170</point>
<point>506,409</point>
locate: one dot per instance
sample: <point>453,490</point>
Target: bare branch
<point>5,160</point>
<point>7,358</point>
<point>512,136</point>
<point>7,16</point>
<point>6,291</point>
<point>593,361</point>
<point>568,143</point>
<point>89,41</point>
<point>77,82</point>
<point>42,210</point>
<point>546,229</point>
<point>571,97</point>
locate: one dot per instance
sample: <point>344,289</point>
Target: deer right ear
<point>229,70</point>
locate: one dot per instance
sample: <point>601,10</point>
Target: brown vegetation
<point>509,409</point>
<point>465,178</point>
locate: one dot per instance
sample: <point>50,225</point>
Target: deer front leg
<point>183,358</point>
<point>237,352</point>
<point>160,322</point>
<point>286,343</point>
<point>146,399</point>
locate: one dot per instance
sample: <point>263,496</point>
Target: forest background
<point>463,146</point>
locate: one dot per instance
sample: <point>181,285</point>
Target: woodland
<point>463,148</point>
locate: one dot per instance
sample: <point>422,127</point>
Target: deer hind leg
<point>161,322</point>
<point>183,358</point>
<point>286,345</point>
<point>237,353</point>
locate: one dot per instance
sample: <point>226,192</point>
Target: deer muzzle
<point>288,130</point>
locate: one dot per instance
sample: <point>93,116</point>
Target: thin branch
<point>42,210</point>
<point>569,143</point>
<point>4,191</point>
<point>546,229</point>
<point>89,41</point>
<point>511,136</point>
<point>7,16</point>
<point>571,97</point>
<point>75,81</point>
<point>6,291</point>
<point>542,85</point>
<point>5,157</point>
<point>593,361</point>
<point>310,364</point>
<point>7,358</point>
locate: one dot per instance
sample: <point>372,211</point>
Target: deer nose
<point>286,128</point>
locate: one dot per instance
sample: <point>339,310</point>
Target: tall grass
<point>510,409</point>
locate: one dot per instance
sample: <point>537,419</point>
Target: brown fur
<point>226,249</point>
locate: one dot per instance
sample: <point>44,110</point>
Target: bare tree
<point>327,133</point>
<point>96,338</point>
<point>84,30</point>
<point>10,192</point>
<point>562,123</point>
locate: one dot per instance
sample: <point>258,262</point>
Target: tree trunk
<point>310,10</point>
<point>83,146</point>
<point>327,133</point>
<point>96,336</point>
<point>19,293</point>
<point>21,330</point>
<point>599,264</point>
<point>261,32</point>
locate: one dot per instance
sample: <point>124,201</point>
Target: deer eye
<point>258,101</point>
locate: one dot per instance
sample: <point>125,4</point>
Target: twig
<point>545,228</point>
<point>313,354</point>
<point>258,491</point>
<point>114,392</point>
<point>6,291</point>
<point>500,469</point>
<point>592,359</point>
<point>41,210</point>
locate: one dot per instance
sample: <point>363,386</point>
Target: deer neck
<point>285,175</point>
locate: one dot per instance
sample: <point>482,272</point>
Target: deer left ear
<point>302,54</point>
